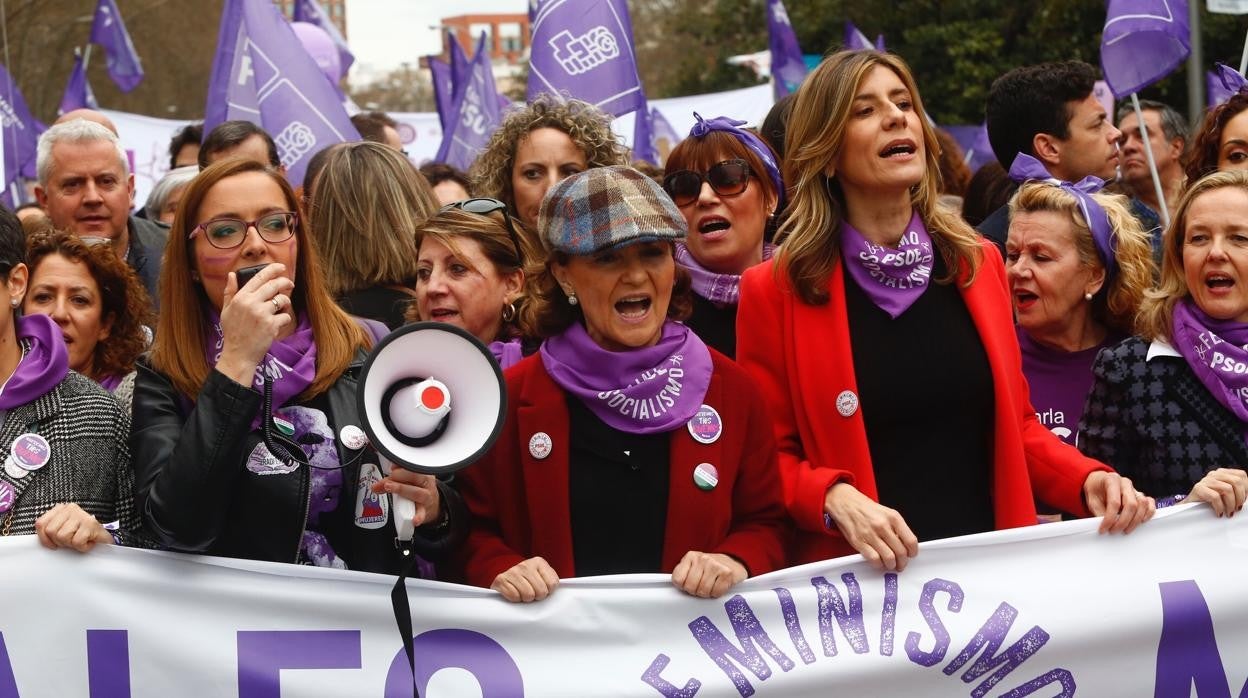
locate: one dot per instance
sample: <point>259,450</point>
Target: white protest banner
<point>1053,610</point>
<point>1229,7</point>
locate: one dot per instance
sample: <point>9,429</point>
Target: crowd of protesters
<point>819,338</point>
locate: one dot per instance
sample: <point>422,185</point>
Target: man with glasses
<point>86,187</point>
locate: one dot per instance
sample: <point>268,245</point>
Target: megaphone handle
<point>402,509</point>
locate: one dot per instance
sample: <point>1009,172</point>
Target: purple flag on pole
<point>19,134</point>
<point>854,38</point>
<point>662,130</point>
<point>310,11</point>
<point>443,88</point>
<point>1143,41</point>
<point>109,32</point>
<point>643,135</point>
<point>477,114</point>
<point>78,94</point>
<point>262,74</point>
<point>1221,84</point>
<point>461,68</point>
<point>788,68</point>
<point>879,42</point>
<point>584,49</point>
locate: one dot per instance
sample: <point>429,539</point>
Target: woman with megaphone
<point>629,446</point>
<point>245,418</point>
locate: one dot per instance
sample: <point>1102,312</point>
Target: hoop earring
<point>509,312</point>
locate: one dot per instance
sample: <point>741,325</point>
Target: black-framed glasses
<point>228,233</point>
<point>483,206</point>
<point>727,178</point>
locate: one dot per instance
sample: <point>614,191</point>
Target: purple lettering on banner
<point>928,609</point>
<point>989,638</point>
<point>653,679</point>
<point>452,648</point>
<point>108,664</point>
<point>888,619</point>
<point>262,654</point>
<point>1187,652</point>
<point>749,631</point>
<point>789,610</point>
<point>849,619</point>
<point>1055,676</point>
<point>8,683</point>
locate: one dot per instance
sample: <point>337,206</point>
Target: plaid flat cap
<point>607,207</point>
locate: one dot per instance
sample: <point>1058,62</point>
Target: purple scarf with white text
<point>893,278</point>
<point>1217,352</point>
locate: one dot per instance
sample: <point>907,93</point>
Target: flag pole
<point>1243,58</point>
<point>1152,164</point>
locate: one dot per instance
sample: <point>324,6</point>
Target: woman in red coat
<point>629,445</point>
<point>882,339</point>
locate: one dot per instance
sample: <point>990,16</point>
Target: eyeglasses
<point>228,233</point>
<point>727,178</point>
<point>484,207</point>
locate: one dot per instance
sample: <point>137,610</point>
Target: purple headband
<point>751,141</point>
<point>1231,78</point>
<point>1026,168</point>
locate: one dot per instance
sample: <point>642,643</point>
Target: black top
<point>381,303</point>
<point>617,484</point>
<point>715,325</point>
<point>926,394</point>
<point>996,227</point>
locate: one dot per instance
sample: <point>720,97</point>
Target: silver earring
<point>509,312</point>
<point>13,302</point>
<point>1087,297</point>
<point>572,300</point>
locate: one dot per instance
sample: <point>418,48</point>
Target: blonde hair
<point>367,205</point>
<point>810,231</point>
<point>1155,320</point>
<point>1118,301</point>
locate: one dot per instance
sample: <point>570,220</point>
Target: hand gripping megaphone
<point>432,400</point>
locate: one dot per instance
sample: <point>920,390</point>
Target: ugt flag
<point>584,49</point>
<point>1143,41</point>
<point>78,94</point>
<point>18,132</point>
<point>109,32</point>
<point>310,11</point>
<point>788,68</point>
<point>262,74</point>
<point>476,115</point>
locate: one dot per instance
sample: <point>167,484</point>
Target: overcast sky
<point>387,33</point>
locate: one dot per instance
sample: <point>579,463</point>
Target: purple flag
<point>662,131</point>
<point>461,68</point>
<point>78,94</point>
<point>262,74</point>
<point>788,68</point>
<point>855,40</point>
<point>584,49</point>
<point>443,88</point>
<point>1221,84</point>
<point>879,42</point>
<point>643,135</point>
<point>109,32</point>
<point>1143,41</point>
<point>310,11</point>
<point>533,11</point>
<point>19,134</point>
<point>477,114</point>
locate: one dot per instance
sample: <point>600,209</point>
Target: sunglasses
<point>727,178</point>
<point>484,207</point>
<point>228,233</point>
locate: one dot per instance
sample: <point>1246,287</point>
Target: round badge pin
<point>847,403</point>
<point>353,437</point>
<point>11,469</point>
<point>30,451</point>
<point>706,477</point>
<point>540,445</point>
<point>285,426</point>
<point>705,426</point>
<point>6,496</point>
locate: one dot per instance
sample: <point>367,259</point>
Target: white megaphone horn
<point>432,400</point>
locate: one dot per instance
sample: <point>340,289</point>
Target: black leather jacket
<point>195,492</point>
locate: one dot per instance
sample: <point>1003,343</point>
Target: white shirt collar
<point>1160,347</point>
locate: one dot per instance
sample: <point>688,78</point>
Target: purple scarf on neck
<point>647,390</point>
<point>724,289</point>
<point>892,278</point>
<point>507,353</point>
<point>1215,350</point>
<point>111,381</point>
<point>290,363</point>
<point>44,362</point>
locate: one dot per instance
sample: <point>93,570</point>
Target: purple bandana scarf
<point>44,362</point>
<point>724,289</point>
<point>1215,350</point>
<point>290,363</point>
<point>892,278</point>
<point>1028,169</point>
<point>508,353</point>
<point>110,382</point>
<point>648,390</point>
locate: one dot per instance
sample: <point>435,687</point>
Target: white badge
<point>705,426</point>
<point>11,469</point>
<point>353,437</point>
<point>540,445</point>
<point>847,403</point>
<point>372,511</point>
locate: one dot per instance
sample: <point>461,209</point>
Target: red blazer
<point>800,357</point>
<point>520,507</point>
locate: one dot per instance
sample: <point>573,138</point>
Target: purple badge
<point>31,451</point>
<point>705,426</point>
<point>6,496</point>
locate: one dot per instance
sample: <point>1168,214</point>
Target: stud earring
<point>1087,297</point>
<point>572,299</point>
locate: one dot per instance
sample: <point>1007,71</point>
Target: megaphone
<point>432,400</point>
